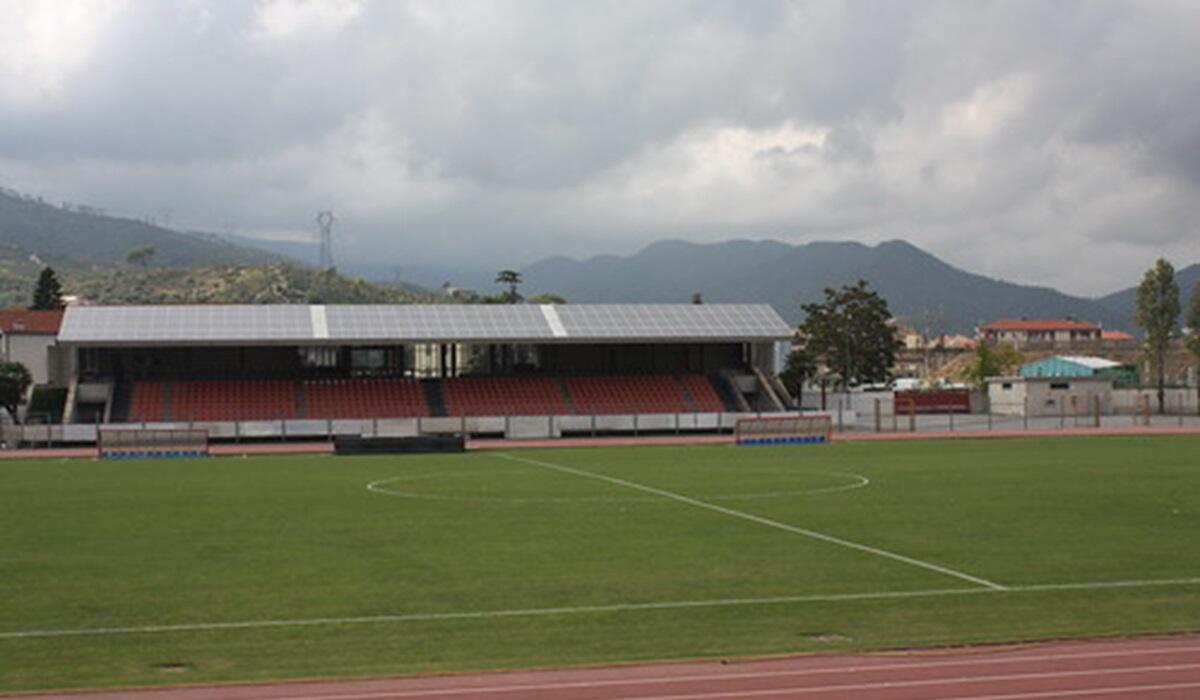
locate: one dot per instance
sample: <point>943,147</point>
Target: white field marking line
<point>377,486</point>
<point>592,609</point>
<point>663,680</point>
<point>763,521</point>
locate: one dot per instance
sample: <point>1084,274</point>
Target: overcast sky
<point>1046,142</point>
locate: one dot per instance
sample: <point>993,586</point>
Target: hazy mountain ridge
<point>85,236</point>
<point>921,289</point>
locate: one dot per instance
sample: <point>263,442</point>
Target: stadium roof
<point>414,323</point>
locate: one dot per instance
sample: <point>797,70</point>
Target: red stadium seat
<point>229,400</point>
<point>364,398</point>
<point>148,402</point>
<point>651,393</point>
<point>504,396</point>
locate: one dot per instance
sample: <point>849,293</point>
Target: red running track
<point>1162,668</point>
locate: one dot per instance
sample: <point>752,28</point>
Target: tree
<point>513,279</point>
<point>851,335</point>
<point>1156,313</point>
<point>48,293</point>
<point>14,382</point>
<point>140,256</point>
<point>992,361</point>
<point>799,368</point>
<point>547,298</point>
<point>1193,339</point>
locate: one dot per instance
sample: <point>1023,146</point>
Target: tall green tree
<point>14,382</point>
<point>48,292</point>
<point>992,361</point>
<point>851,335</point>
<point>140,256</point>
<point>1193,339</point>
<point>1157,313</point>
<point>512,278</point>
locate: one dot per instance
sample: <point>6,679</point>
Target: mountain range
<point>923,291</point>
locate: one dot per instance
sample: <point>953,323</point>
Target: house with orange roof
<point>28,336</point>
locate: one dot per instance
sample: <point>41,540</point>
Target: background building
<point>1022,332</point>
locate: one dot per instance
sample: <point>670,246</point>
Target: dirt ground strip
<point>1157,668</point>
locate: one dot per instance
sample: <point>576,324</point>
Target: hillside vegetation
<point>266,284</point>
<point>67,235</point>
<point>89,249</point>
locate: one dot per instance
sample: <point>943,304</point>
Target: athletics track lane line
<point>1110,669</point>
<point>760,520</point>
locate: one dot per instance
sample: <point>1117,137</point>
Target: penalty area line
<point>813,534</point>
<point>594,609</point>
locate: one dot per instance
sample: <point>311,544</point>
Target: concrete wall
<point>513,427</point>
<point>33,351</point>
<point>1178,400</point>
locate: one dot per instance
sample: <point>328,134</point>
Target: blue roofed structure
<point>1062,366</point>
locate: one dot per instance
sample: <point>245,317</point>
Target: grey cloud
<point>477,131</point>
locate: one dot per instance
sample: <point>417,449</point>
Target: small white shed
<point>1049,396</point>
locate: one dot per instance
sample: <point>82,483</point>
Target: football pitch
<point>173,571</point>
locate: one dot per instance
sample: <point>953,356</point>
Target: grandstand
<point>212,365</point>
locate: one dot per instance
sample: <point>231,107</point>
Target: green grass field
<point>122,573</point>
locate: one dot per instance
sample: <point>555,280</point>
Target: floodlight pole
<point>325,224</point>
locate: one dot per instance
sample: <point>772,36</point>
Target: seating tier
<point>504,396</point>
<point>244,400</point>
<point>255,399</point>
<point>148,402</point>
<point>655,393</point>
<point>364,398</point>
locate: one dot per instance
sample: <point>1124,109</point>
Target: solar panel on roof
<point>410,323</point>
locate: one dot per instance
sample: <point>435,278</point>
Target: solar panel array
<point>436,322</point>
<point>248,325</point>
<point>192,324</point>
<point>671,321</point>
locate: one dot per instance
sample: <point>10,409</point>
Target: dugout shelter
<point>210,364</point>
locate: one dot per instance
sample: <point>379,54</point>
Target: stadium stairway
<point>434,397</point>
<point>122,395</point>
<point>687,395</point>
<point>566,395</point>
<point>725,393</point>
<point>168,401</point>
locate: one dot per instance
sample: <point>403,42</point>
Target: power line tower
<point>325,223</point>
